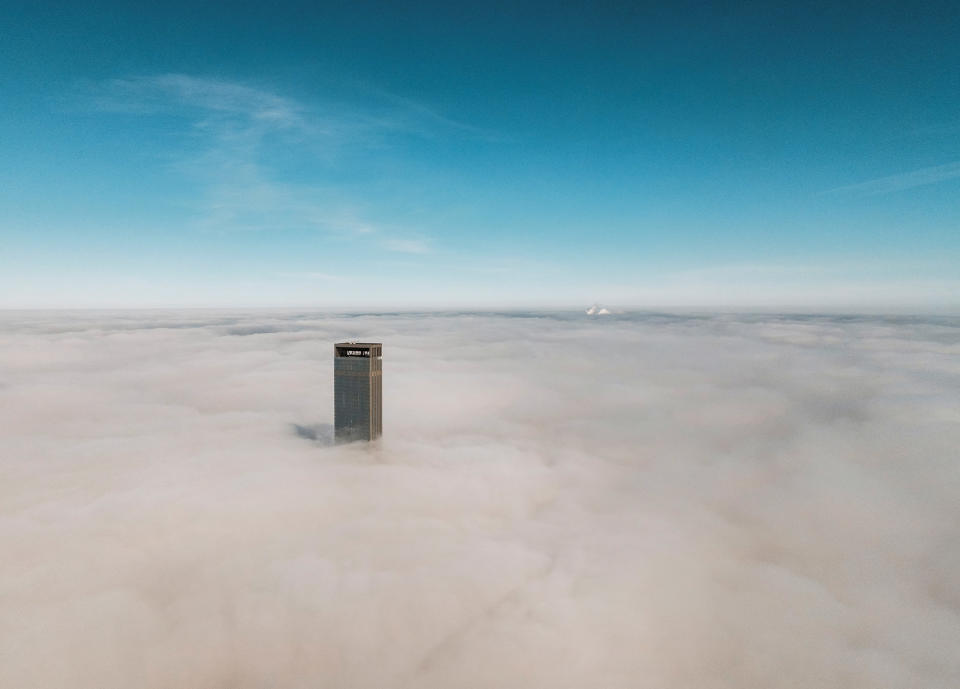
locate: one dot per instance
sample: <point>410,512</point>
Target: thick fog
<point>558,501</point>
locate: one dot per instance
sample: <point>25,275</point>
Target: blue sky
<point>363,154</point>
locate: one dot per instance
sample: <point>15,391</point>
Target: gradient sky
<point>352,154</point>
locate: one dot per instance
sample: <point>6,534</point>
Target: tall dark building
<point>357,391</point>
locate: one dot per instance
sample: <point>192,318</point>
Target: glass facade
<point>357,391</point>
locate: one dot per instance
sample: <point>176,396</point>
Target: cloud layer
<point>558,501</point>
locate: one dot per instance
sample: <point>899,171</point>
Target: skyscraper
<point>357,391</point>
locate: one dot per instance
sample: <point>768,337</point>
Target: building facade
<point>357,391</point>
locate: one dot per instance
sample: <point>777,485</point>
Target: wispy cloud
<point>309,275</point>
<point>905,180</point>
<point>159,92</point>
<point>406,246</point>
<point>264,161</point>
